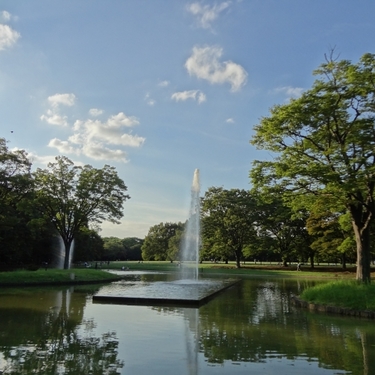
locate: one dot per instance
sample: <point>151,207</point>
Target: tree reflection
<point>55,340</point>
<point>265,325</point>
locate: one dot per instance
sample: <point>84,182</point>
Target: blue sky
<point>158,88</point>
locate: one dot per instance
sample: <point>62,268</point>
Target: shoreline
<point>343,311</point>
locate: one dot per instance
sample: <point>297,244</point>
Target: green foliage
<point>158,245</point>
<point>72,196</point>
<point>343,293</point>
<point>280,230</point>
<point>88,246</point>
<point>324,145</point>
<point>228,218</point>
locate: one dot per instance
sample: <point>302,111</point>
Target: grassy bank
<point>344,293</point>
<point>54,276</point>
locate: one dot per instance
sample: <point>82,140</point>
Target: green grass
<point>343,293</point>
<point>248,269</point>
<point>54,276</point>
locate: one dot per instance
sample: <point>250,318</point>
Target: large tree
<point>156,245</point>
<point>228,221</point>
<point>73,196</point>
<point>324,145</point>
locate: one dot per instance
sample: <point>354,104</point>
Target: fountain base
<point>189,294</point>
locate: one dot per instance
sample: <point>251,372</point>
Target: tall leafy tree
<point>72,196</point>
<point>228,221</point>
<point>324,145</point>
<point>157,242</point>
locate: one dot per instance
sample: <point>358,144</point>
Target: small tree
<point>72,196</point>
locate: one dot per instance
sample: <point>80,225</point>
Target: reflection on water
<point>250,328</point>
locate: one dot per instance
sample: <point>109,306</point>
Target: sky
<point>159,88</point>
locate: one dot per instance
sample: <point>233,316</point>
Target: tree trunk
<point>362,238</point>
<point>67,244</point>
<point>237,255</point>
<point>312,264</point>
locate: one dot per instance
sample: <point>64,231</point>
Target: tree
<point>15,186</point>
<point>156,243</point>
<point>279,229</point>
<point>324,145</point>
<point>228,218</point>
<point>114,248</point>
<point>72,196</point>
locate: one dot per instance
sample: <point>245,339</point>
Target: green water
<point>251,328</point>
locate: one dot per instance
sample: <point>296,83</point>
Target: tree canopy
<point>73,196</point>
<point>228,222</point>
<point>324,146</point>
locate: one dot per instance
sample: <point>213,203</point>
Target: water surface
<point>251,328</point>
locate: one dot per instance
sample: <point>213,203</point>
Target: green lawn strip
<point>230,269</point>
<point>54,276</point>
<point>342,293</point>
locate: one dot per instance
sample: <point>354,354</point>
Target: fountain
<point>187,290</point>
<point>191,239</point>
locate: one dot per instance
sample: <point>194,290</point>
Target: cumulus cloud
<point>289,91</point>
<point>92,137</point>
<point>95,112</point>
<point>197,95</point>
<point>205,63</point>
<point>53,116</point>
<point>206,14</point>
<point>64,99</point>
<point>54,119</point>
<point>8,36</point>
<point>230,121</point>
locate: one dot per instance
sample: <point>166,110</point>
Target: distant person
<point>299,266</point>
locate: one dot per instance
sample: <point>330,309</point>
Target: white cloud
<point>95,112</point>
<point>289,91</point>
<point>151,102</point>
<point>164,83</point>
<point>197,95</point>
<point>111,132</point>
<point>206,14</point>
<point>98,151</point>
<point>64,147</point>
<point>92,137</point>
<point>8,37</point>
<point>5,16</point>
<point>230,121</point>
<point>53,118</point>
<point>64,99</point>
<point>204,63</point>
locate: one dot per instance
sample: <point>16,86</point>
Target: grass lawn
<point>54,276</point>
<point>251,270</point>
<point>343,293</point>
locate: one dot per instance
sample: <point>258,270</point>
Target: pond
<point>250,328</point>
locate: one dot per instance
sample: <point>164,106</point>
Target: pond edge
<point>344,311</point>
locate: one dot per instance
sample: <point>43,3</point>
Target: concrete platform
<point>166,300</point>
